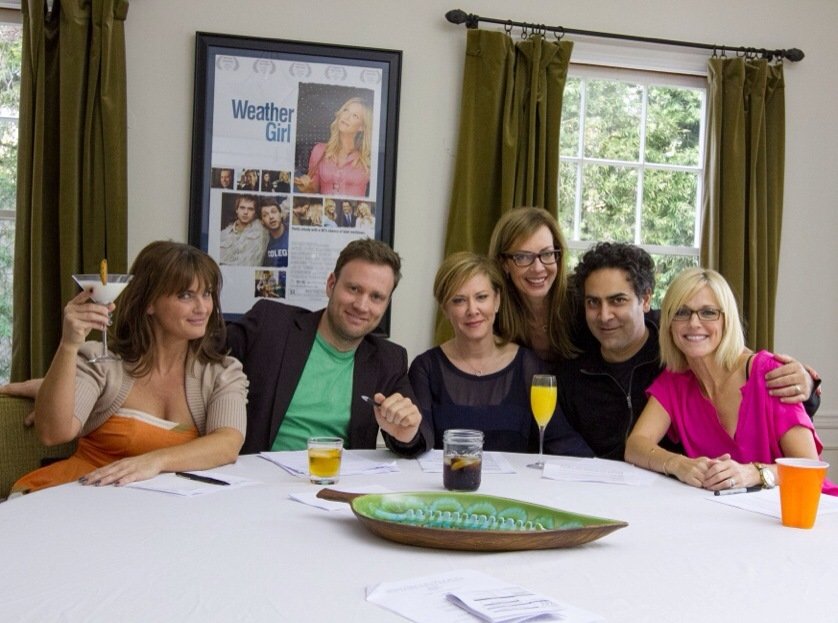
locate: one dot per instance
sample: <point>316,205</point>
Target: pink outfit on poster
<point>328,178</point>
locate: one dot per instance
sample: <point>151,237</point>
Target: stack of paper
<point>511,604</point>
<point>170,483</point>
<point>572,469</point>
<point>296,463</point>
<point>767,502</point>
<point>432,599</point>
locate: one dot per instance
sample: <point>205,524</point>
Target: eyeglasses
<point>705,314</point>
<point>522,259</point>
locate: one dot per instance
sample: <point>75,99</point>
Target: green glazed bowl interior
<point>470,511</point>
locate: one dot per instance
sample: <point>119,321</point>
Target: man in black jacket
<point>312,372</point>
<point>603,391</point>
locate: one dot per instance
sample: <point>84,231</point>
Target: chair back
<point>20,450</point>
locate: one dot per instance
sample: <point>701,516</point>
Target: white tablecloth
<point>109,554</point>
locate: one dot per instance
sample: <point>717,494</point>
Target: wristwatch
<point>766,476</point>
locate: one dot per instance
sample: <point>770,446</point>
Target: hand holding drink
<point>104,288</point>
<point>543,396</point>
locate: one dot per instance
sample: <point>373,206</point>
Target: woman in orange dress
<point>173,402</point>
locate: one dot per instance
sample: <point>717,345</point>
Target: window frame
<point>646,78</point>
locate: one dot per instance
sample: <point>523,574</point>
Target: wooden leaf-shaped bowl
<point>471,521</point>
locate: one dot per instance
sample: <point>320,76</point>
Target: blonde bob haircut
<point>686,285</point>
<point>458,268</point>
<point>512,229</point>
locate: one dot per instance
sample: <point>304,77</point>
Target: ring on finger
<point>731,483</point>
<point>797,389</point>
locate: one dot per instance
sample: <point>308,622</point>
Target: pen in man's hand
<point>199,478</point>
<point>370,400</point>
<point>753,489</point>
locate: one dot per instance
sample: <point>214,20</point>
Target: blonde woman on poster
<point>341,166</point>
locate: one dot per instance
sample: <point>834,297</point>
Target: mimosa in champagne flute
<point>543,395</point>
<point>104,288</point>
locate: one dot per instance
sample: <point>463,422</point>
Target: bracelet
<point>666,471</point>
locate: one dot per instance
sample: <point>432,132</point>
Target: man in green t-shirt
<point>309,371</point>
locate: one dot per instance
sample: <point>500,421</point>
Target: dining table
<point>91,554</point>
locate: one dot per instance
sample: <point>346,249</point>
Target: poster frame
<point>338,58</point>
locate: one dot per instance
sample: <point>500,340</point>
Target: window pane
<point>7,243</point>
<point>569,132</point>
<point>573,257</point>
<point>612,120</point>
<point>669,199</point>
<point>608,201</point>
<point>8,163</point>
<point>567,196</point>
<point>673,125</point>
<point>666,267</point>
<point>10,52</point>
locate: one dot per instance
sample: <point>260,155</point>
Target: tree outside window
<point>631,164</point>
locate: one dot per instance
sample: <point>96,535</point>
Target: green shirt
<point>320,404</point>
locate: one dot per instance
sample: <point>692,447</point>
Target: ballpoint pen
<point>199,478</point>
<point>753,489</point>
<point>370,400</point>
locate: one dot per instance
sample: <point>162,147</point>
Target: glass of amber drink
<point>324,459</point>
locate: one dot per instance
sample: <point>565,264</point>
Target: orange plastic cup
<point>800,490</point>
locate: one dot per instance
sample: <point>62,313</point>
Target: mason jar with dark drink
<point>462,459</point>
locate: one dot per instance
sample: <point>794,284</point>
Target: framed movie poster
<point>293,156</point>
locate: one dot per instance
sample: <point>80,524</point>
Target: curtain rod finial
<point>795,55</point>
<point>458,16</point>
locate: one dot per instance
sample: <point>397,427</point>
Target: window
<point>631,164</point>
<point>10,51</point>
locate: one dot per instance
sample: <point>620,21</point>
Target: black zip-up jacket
<point>594,402</point>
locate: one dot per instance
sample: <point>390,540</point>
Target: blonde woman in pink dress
<point>712,397</point>
<point>341,166</point>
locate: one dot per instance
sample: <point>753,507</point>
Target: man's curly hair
<point>638,264</point>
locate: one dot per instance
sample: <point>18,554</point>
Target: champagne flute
<point>543,395</point>
<point>104,294</point>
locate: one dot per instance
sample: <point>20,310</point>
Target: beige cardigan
<point>216,393</point>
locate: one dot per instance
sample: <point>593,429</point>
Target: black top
<point>497,403</point>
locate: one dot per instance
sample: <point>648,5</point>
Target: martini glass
<point>104,294</point>
<point>543,395</point>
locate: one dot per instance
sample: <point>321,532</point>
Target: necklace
<point>538,326</point>
<point>471,367</point>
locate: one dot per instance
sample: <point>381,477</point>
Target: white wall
<point>160,40</point>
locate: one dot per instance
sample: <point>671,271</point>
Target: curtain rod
<point>458,16</point>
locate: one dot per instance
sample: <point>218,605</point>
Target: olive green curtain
<point>508,149</point>
<point>743,199</point>
<point>72,172</point>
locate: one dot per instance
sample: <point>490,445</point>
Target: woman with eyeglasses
<point>528,247</point>
<point>712,397</point>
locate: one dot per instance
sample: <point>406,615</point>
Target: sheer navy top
<point>497,403</point>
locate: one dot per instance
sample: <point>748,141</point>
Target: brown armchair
<point>20,450</point>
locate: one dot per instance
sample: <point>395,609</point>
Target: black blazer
<point>273,342</point>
